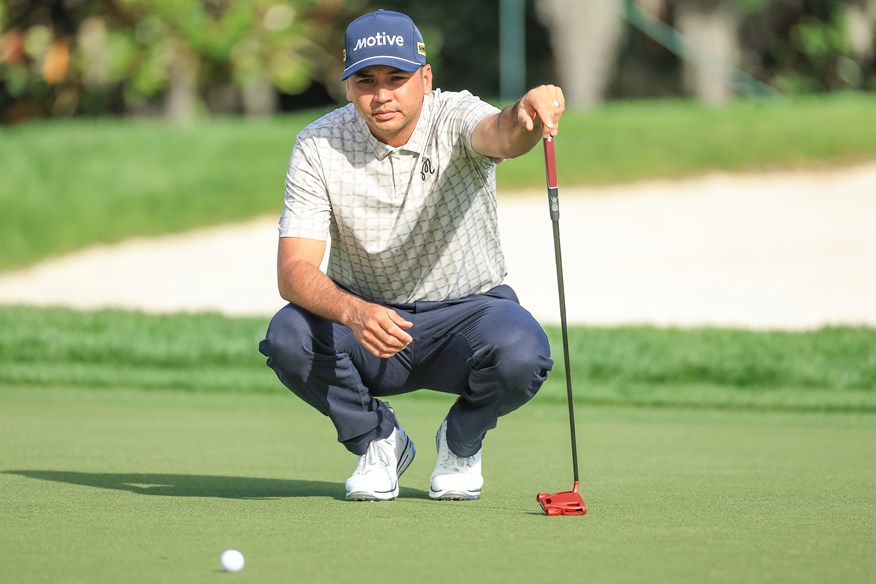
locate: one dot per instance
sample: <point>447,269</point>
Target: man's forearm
<point>378,328</point>
<point>304,285</point>
<point>517,128</point>
<point>514,139</point>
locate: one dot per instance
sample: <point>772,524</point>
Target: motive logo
<point>379,39</point>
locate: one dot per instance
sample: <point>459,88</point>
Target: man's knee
<point>520,353</point>
<point>523,352</point>
<point>289,341</point>
<point>293,344</point>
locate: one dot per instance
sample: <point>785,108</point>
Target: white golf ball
<point>232,560</point>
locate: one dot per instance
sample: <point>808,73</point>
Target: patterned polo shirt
<point>406,224</point>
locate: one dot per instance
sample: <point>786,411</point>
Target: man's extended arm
<point>518,127</point>
<point>300,281</point>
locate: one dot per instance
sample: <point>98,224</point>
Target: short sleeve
<point>471,111</point>
<point>463,112</point>
<point>306,210</point>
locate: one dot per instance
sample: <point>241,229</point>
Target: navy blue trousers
<point>485,348</point>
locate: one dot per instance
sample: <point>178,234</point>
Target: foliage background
<point>61,58</point>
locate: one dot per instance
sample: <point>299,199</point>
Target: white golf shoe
<point>376,475</point>
<point>455,477</point>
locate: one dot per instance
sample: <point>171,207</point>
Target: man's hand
<point>380,329</point>
<point>377,328</point>
<point>545,102</point>
<point>517,128</point>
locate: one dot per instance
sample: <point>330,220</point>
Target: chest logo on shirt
<point>427,169</point>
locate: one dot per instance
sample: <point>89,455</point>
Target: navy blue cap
<point>383,38</point>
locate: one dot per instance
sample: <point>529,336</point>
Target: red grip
<point>550,162</point>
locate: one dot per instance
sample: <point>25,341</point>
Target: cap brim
<point>387,60</point>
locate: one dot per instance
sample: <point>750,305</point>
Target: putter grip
<point>550,165</point>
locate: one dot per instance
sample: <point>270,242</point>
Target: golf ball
<point>232,560</point>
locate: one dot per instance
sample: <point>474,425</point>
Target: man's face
<point>390,100</point>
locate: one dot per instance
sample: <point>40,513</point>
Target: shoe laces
<point>376,456</point>
<point>458,463</point>
<point>452,461</point>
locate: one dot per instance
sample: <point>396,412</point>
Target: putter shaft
<point>554,206</point>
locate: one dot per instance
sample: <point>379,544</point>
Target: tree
<point>711,31</point>
<point>172,56</point>
<point>586,39</point>
<point>722,46</point>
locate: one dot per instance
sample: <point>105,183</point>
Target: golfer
<point>402,183</point>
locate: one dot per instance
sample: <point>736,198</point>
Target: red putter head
<point>562,503</point>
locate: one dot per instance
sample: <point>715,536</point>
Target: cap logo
<point>379,39</point>
<point>421,49</point>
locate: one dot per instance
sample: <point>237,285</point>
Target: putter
<point>564,502</point>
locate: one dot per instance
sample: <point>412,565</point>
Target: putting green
<point>117,485</point>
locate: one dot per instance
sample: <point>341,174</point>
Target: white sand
<point>781,250</point>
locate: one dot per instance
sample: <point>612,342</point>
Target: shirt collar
<point>417,141</point>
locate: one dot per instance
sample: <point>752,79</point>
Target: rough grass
<point>827,369</point>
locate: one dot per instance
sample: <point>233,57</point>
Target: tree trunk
<point>181,104</point>
<point>710,29</point>
<point>259,98</point>
<point>861,22</point>
<point>585,35</point>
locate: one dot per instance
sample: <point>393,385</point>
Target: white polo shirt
<point>412,223</point>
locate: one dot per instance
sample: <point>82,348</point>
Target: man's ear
<point>426,72</point>
<point>347,89</point>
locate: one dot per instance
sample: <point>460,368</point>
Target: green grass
<point>633,141</point>
<point>74,183</point>
<point>832,369</point>
<point>132,486</point>
<point>68,184</point>
<point>137,447</point>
